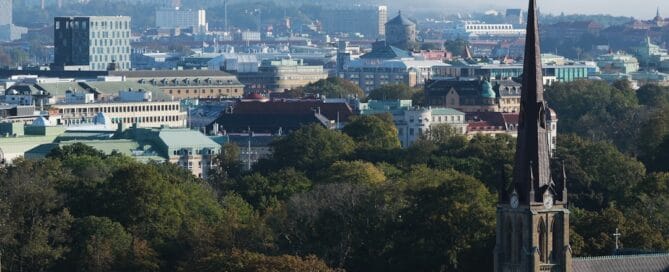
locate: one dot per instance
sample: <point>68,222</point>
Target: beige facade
<point>538,232</point>
<point>145,114</point>
<point>198,162</point>
<point>282,75</point>
<point>188,84</point>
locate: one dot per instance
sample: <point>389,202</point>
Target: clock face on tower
<point>548,201</point>
<point>514,201</point>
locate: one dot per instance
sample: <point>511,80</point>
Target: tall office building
<point>182,18</point>
<point>366,20</point>
<point>6,12</point>
<point>383,18</point>
<point>8,31</point>
<point>92,43</point>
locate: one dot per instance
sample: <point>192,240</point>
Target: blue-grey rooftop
<point>623,263</point>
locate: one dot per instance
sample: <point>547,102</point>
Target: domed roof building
<point>401,32</point>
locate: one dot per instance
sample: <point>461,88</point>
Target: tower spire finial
<point>564,183</point>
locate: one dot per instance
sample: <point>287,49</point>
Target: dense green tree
<point>457,47</point>
<point>34,222</point>
<point>77,149</point>
<point>333,87</point>
<point>327,221</point>
<point>652,132</point>
<point>372,132</point>
<point>653,95</point>
<point>146,204</point>
<point>99,245</point>
<point>482,157</point>
<point>442,134</point>
<point>311,148</point>
<point>448,224</point>
<point>598,111</point>
<point>598,175</point>
<point>637,231</point>
<point>356,172</point>
<point>227,166</point>
<point>393,92</point>
<point>246,261</point>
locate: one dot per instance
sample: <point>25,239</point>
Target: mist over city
<point>332,136</point>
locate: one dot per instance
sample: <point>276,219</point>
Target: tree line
<point>348,200</point>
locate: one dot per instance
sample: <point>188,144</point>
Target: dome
<point>102,119</point>
<point>401,20</point>
<point>41,122</point>
<point>486,90</point>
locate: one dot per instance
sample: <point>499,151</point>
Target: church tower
<point>532,214</point>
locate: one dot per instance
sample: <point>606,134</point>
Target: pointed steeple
<point>531,172</point>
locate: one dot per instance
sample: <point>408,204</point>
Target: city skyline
<point>638,9</point>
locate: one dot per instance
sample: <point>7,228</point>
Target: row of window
<point>111,50</point>
<point>183,152</point>
<point>112,109</point>
<point>108,58</point>
<point>147,119</point>
<point>103,66</point>
<point>110,25</point>
<point>203,91</point>
<point>114,34</point>
<point>447,118</point>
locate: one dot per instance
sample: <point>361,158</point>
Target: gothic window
<point>543,242</point>
<point>508,239</point>
<point>555,231</point>
<point>518,241</point>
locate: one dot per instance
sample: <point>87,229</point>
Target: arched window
<point>508,240</point>
<point>543,242</point>
<point>518,241</point>
<point>557,241</point>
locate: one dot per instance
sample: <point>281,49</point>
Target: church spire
<point>531,173</point>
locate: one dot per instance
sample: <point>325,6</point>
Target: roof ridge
<point>615,257</point>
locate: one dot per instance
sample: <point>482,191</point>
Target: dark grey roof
<point>622,263</point>
<point>169,73</point>
<point>263,123</point>
<point>386,52</point>
<point>400,20</point>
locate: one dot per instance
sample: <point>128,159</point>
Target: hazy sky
<point>643,9</point>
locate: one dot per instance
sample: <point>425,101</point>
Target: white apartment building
<point>145,114</point>
<point>182,18</point>
<point>473,29</point>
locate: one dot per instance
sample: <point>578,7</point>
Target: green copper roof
<point>446,111</point>
<point>185,138</point>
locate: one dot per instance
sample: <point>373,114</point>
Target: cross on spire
<point>617,235</point>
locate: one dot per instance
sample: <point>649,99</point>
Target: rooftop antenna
<point>225,15</point>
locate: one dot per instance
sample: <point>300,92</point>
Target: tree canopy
<point>332,87</point>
